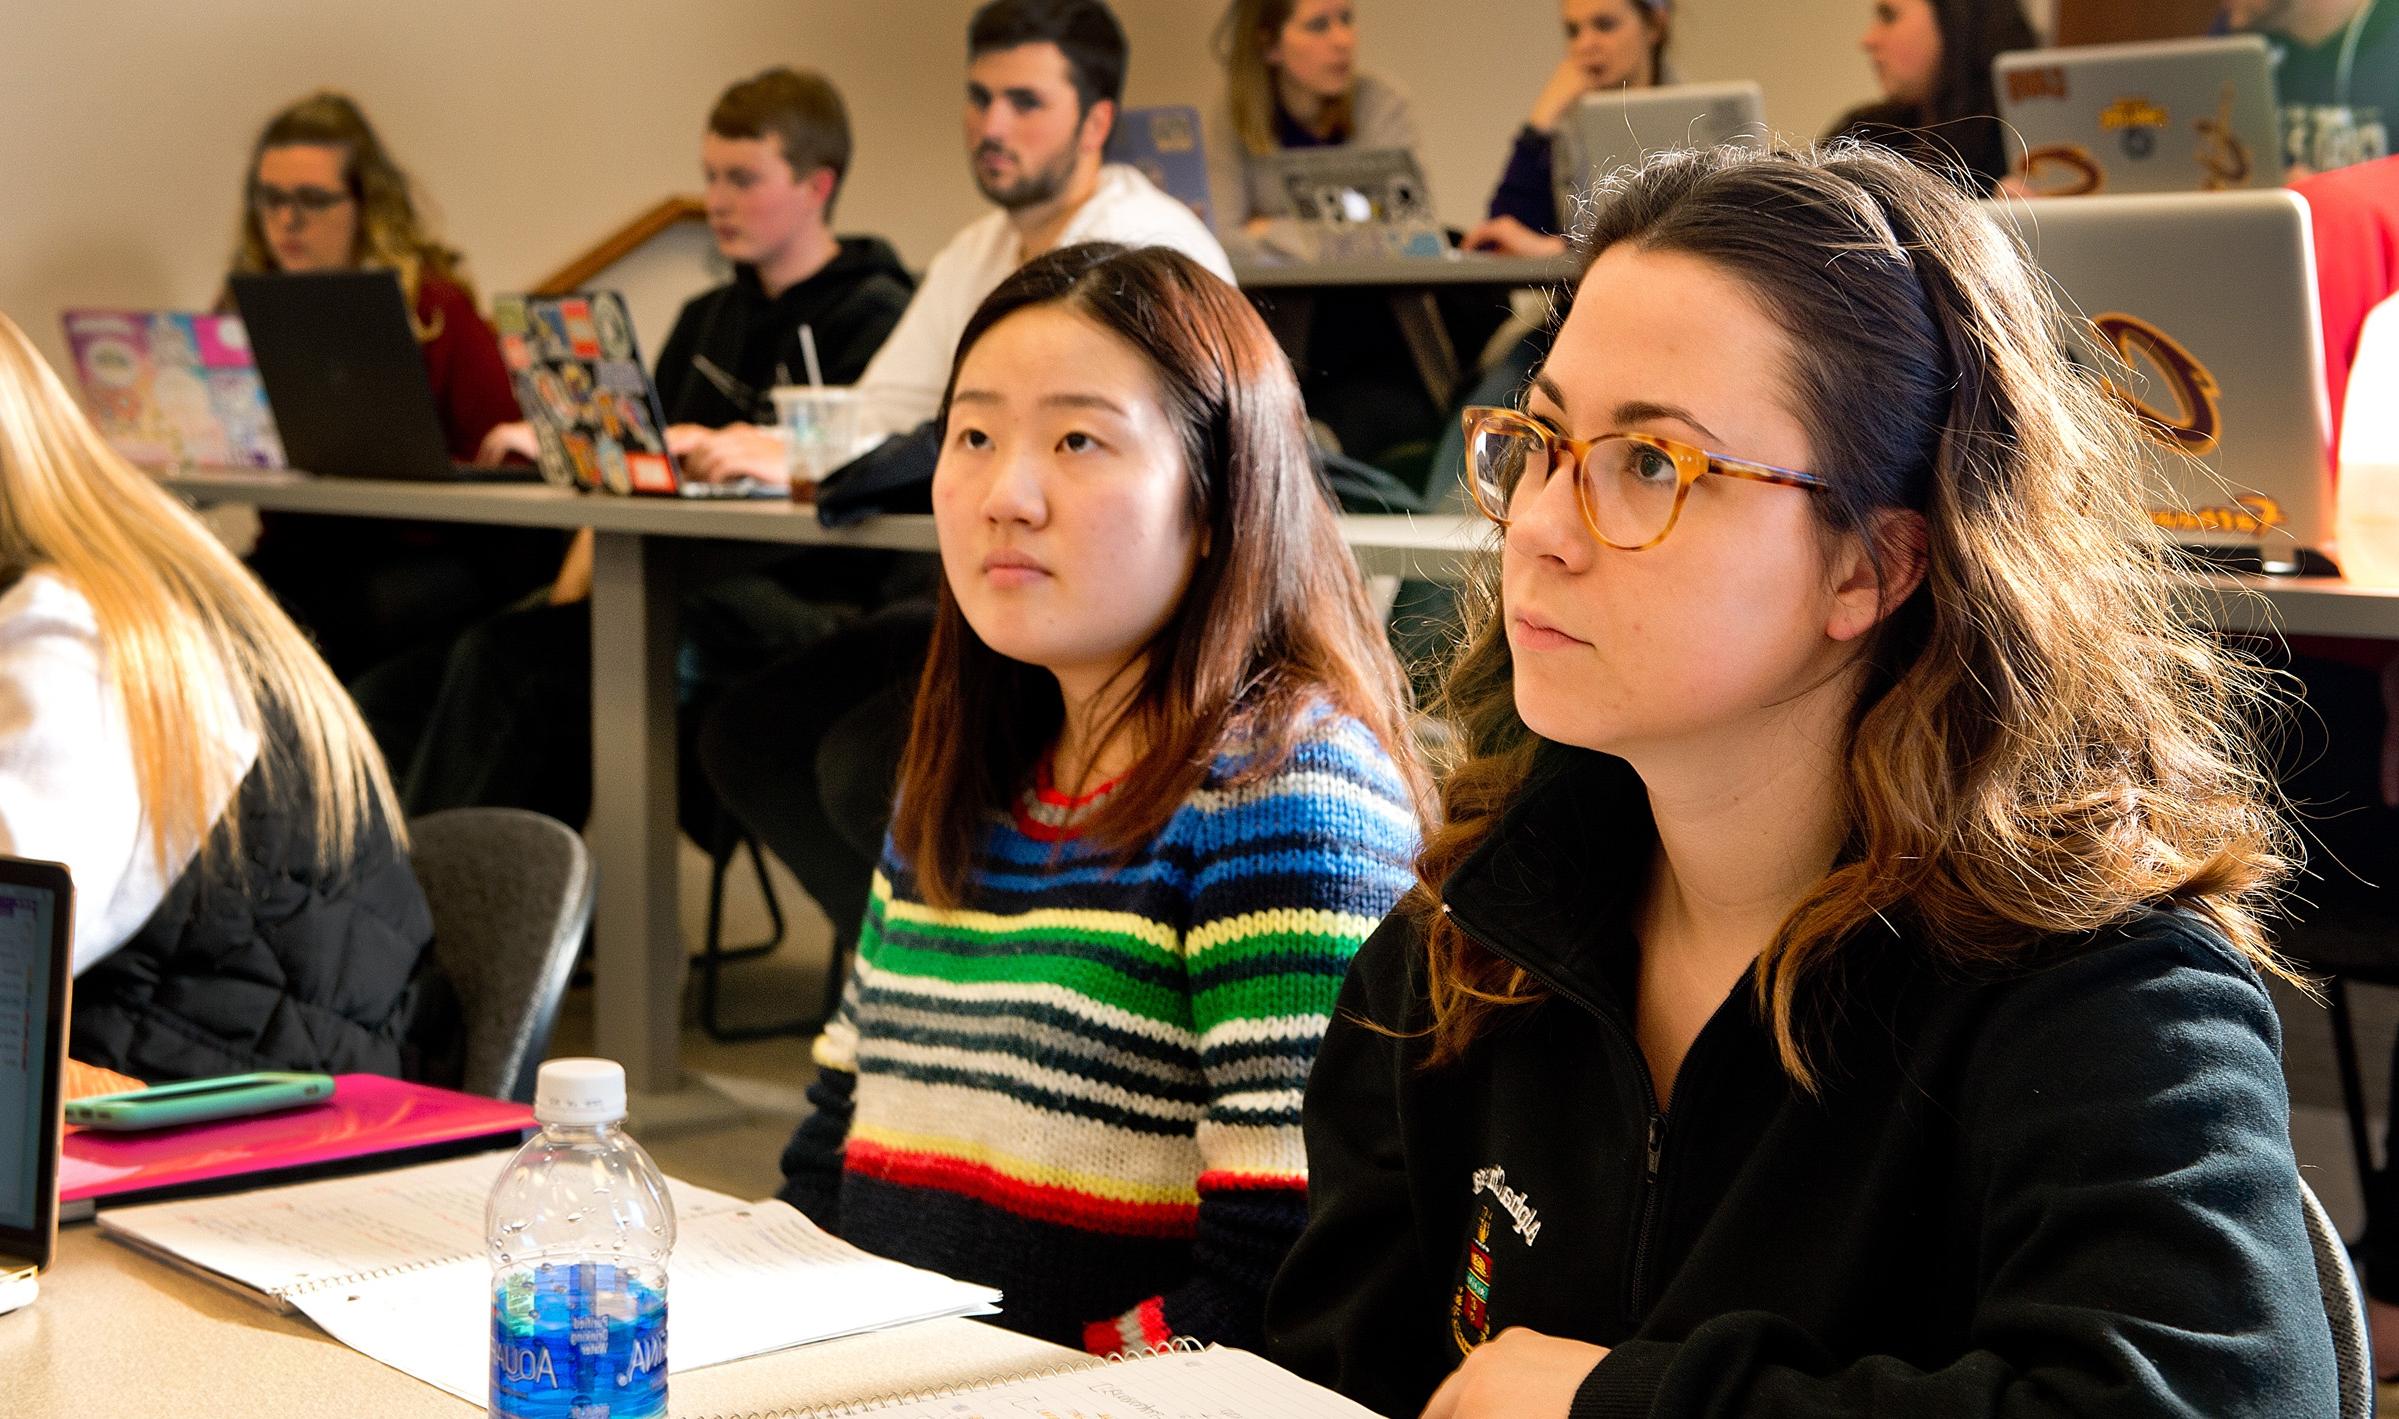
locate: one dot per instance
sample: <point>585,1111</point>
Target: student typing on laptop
<point>773,159</point>
<point>503,716</point>
<point>323,194</point>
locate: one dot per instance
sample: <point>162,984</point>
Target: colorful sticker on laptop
<point>651,473</point>
<point>2136,121</point>
<point>2223,158</point>
<point>622,376</point>
<point>2249,515</point>
<point>508,315</point>
<point>549,331</point>
<point>615,329</point>
<point>2062,170</point>
<point>2195,424</point>
<point>586,460</point>
<point>581,336</point>
<point>2045,82</point>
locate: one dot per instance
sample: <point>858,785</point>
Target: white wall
<point>539,125</point>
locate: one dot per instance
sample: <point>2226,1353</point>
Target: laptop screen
<point>36,908</point>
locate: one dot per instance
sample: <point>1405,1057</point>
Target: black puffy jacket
<point>264,960</point>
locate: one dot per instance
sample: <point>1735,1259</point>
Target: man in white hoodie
<point>1044,80</point>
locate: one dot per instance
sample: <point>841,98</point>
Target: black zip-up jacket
<point>2066,1189</point>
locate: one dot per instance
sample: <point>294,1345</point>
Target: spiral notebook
<point>1185,1381</point>
<point>392,1265</point>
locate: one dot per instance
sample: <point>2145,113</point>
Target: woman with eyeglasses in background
<point>1933,61</point>
<point>1611,45</point>
<point>1837,984</point>
<point>322,193</point>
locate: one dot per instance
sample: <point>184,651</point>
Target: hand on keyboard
<point>740,453</point>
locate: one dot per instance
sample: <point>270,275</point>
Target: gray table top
<point>1433,546</point>
<point>1465,269</point>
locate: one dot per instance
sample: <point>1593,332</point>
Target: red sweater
<point>470,385</point>
<point>2355,215</point>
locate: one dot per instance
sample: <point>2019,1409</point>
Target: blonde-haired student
<point>243,900</point>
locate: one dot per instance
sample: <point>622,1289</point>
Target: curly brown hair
<point>2043,744</point>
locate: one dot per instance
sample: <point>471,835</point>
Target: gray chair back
<point>2344,1307</point>
<point>511,894</point>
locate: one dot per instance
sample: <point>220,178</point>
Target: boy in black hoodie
<point>502,717</point>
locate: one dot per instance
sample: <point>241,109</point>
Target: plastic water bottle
<point>578,1229</point>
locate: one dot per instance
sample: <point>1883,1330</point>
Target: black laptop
<point>338,354</point>
<point>37,907</point>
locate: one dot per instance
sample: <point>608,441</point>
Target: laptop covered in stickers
<point>581,383</point>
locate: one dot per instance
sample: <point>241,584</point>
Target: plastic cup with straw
<point>819,422</point>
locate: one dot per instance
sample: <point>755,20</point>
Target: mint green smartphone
<point>199,1100</point>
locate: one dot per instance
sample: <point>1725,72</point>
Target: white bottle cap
<point>579,1091</point>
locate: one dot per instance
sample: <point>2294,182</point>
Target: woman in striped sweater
<point>1157,789</point>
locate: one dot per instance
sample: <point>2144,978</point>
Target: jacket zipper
<point>1636,1297</point>
<point>1636,1300</point>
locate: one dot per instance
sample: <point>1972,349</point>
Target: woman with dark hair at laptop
<point>1611,45</point>
<point>323,194</point>
<point>1933,60</point>
<point>242,898</point>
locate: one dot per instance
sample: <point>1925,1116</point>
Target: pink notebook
<point>368,1116</point>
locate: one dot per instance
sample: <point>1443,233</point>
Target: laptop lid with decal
<point>2210,299</point>
<point>2181,115</point>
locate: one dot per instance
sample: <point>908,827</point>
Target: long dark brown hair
<point>1958,124</point>
<point>2043,746</point>
<point>1274,622</point>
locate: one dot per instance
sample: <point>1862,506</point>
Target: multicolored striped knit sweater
<point>1083,1084</point>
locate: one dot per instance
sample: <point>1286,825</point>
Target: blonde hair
<point>392,235</point>
<point>195,652</point>
<point>1242,39</point>
<point>2044,746</point>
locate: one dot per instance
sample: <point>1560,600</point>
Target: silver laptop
<point>2211,301</point>
<point>1607,131</point>
<point>1353,186</point>
<point>37,911</point>
<point>2179,115</point>
<point>1349,204</point>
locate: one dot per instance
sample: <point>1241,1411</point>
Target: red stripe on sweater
<point>1063,1206</point>
<point>1252,1182</point>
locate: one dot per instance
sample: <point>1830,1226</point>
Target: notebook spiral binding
<point>356,1278</point>
<point>1180,1345</point>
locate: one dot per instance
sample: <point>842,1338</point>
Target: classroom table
<point>116,1332</point>
<point>638,544</point>
<point>1285,294</point>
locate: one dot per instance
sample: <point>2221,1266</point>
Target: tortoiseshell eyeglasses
<point>1629,486</point>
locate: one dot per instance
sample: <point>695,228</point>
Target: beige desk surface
<point>116,1333</point>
